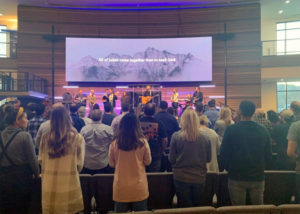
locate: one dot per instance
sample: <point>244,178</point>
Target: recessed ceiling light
<point>280,11</point>
<point>1,14</point>
<point>287,1</point>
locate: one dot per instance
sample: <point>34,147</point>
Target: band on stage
<point>130,98</point>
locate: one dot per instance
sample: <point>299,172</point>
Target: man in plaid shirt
<point>35,123</point>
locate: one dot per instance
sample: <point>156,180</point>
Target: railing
<point>22,81</point>
<point>280,47</point>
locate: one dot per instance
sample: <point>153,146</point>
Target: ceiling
<point>270,8</point>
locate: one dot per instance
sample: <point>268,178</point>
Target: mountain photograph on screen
<point>139,60</point>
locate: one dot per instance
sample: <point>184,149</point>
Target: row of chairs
<point>259,209</point>
<point>279,188</point>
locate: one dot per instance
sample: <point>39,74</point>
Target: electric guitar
<point>147,99</point>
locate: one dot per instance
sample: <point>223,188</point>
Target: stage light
<point>70,86</point>
<point>207,86</point>
<point>121,86</point>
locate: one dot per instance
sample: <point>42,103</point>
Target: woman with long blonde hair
<point>189,153</point>
<point>225,120</point>
<point>61,156</point>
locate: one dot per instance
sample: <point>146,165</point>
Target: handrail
<point>22,81</point>
<point>270,47</point>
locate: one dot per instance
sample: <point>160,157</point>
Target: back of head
<point>82,112</point>
<point>149,109</point>
<point>287,115</point>
<point>273,116</point>
<point>295,107</point>
<point>129,139</point>
<point>107,107</point>
<point>203,120</point>
<point>96,115</point>
<point>163,105</point>
<point>125,107</point>
<point>225,114</point>
<point>73,108</point>
<point>11,114</point>
<point>247,108</point>
<point>199,107</point>
<point>96,106</point>
<point>40,108</point>
<point>190,124</point>
<point>212,103</point>
<point>61,128</point>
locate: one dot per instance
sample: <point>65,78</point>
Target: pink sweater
<point>130,180</point>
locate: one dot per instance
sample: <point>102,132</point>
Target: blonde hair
<point>203,120</point>
<point>190,125</point>
<point>225,114</point>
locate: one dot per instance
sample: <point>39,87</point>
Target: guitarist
<point>197,96</point>
<point>80,98</point>
<point>148,93</point>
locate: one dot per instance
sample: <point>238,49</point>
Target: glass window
<point>286,93</point>
<point>288,38</point>
<point>280,26</point>
<point>291,25</point>
<point>3,41</point>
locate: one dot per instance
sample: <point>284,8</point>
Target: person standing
<point>156,135</point>
<point>129,153</point>
<point>97,138</point>
<point>224,120</point>
<point>80,98</point>
<point>116,121</point>
<point>245,152</point>
<point>293,138</point>
<point>171,125</point>
<point>189,152</point>
<point>61,156</point>
<point>198,95</point>
<point>18,163</point>
<point>92,99</point>
<point>174,100</point>
<point>212,113</point>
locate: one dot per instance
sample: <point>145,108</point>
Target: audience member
<point>273,117</point>
<point>215,144</point>
<point>295,107</point>
<point>293,150</point>
<point>129,154</point>
<point>78,123</point>
<point>199,108</point>
<point>61,156</point>
<point>212,113</point>
<point>35,123</point>
<point>279,136</point>
<point>156,135</point>
<point>18,162</point>
<point>260,118</point>
<point>108,114</point>
<point>244,153</point>
<point>97,138</point>
<point>116,121</point>
<point>224,120</point>
<point>171,125</point>
<point>189,153</point>
<point>96,106</point>
<point>45,127</point>
<point>82,115</point>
